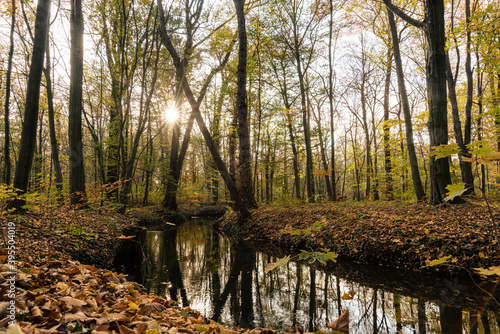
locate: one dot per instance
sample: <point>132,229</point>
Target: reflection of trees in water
<point>228,284</point>
<point>165,273</point>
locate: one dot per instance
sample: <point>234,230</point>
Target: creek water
<point>200,268</point>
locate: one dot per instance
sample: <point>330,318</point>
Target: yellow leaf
<point>14,329</point>
<point>349,295</point>
<point>437,262</point>
<point>488,272</point>
<point>126,237</point>
<point>132,306</point>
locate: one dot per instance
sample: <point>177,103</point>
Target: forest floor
<point>55,293</point>
<point>408,236</point>
<point>64,280</point>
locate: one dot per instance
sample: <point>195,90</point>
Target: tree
<point>245,171</point>
<point>76,171</point>
<point>54,146</point>
<point>8,164</point>
<point>415,174</point>
<point>239,203</point>
<point>28,133</point>
<point>463,138</point>
<point>434,29</point>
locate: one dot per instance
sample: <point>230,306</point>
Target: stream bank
<point>406,236</point>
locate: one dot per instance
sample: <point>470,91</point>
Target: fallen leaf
<point>488,272</point>
<point>341,324</point>
<point>349,295</point>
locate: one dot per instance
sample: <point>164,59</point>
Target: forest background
<point>293,100</point>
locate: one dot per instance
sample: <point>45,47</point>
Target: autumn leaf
<point>14,329</point>
<point>443,151</point>
<point>348,295</point>
<point>341,324</point>
<point>275,265</point>
<point>488,272</point>
<point>439,261</point>
<point>123,237</point>
<point>455,190</point>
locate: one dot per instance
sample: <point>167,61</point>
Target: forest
<point>198,102</point>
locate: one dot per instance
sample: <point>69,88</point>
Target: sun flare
<point>171,114</point>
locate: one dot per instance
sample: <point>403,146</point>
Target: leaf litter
<point>55,293</point>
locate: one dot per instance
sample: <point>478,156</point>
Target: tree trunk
<point>215,129</point>
<point>480,117</point>
<point>7,172</point>
<point>330,101</point>
<point>54,146</point>
<point>244,166</point>
<point>28,133</point>
<point>440,176</point>
<point>465,167</point>
<point>389,188</point>
<point>415,174</point>
<point>239,203</point>
<point>76,170</point>
<point>305,124</point>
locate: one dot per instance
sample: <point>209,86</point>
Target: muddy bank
<point>395,235</point>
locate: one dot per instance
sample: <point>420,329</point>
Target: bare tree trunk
<point>434,29</point>
<point>7,172</point>
<point>54,146</point>
<point>28,133</point>
<point>415,174</point>
<point>389,187</point>
<point>244,166</point>
<point>239,203</point>
<point>76,170</point>
<point>480,116</point>
<point>330,100</point>
<point>440,176</point>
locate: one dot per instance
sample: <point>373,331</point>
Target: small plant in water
<point>311,256</point>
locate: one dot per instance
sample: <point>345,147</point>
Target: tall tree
<point>245,171</point>
<point>434,29</point>
<point>462,138</point>
<point>415,174</point>
<point>54,146</point>
<point>8,164</point>
<point>76,167</point>
<point>296,30</point>
<point>28,133</point>
<point>330,101</point>
<point>239,203</point>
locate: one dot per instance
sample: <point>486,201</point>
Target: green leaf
<point>275,265</point>
<point>455,190</point>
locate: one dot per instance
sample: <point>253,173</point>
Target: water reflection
<point>195,266</point>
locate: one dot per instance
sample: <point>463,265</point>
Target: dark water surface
<point>197,267</point>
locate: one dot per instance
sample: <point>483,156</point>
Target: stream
<point>197,267</point>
